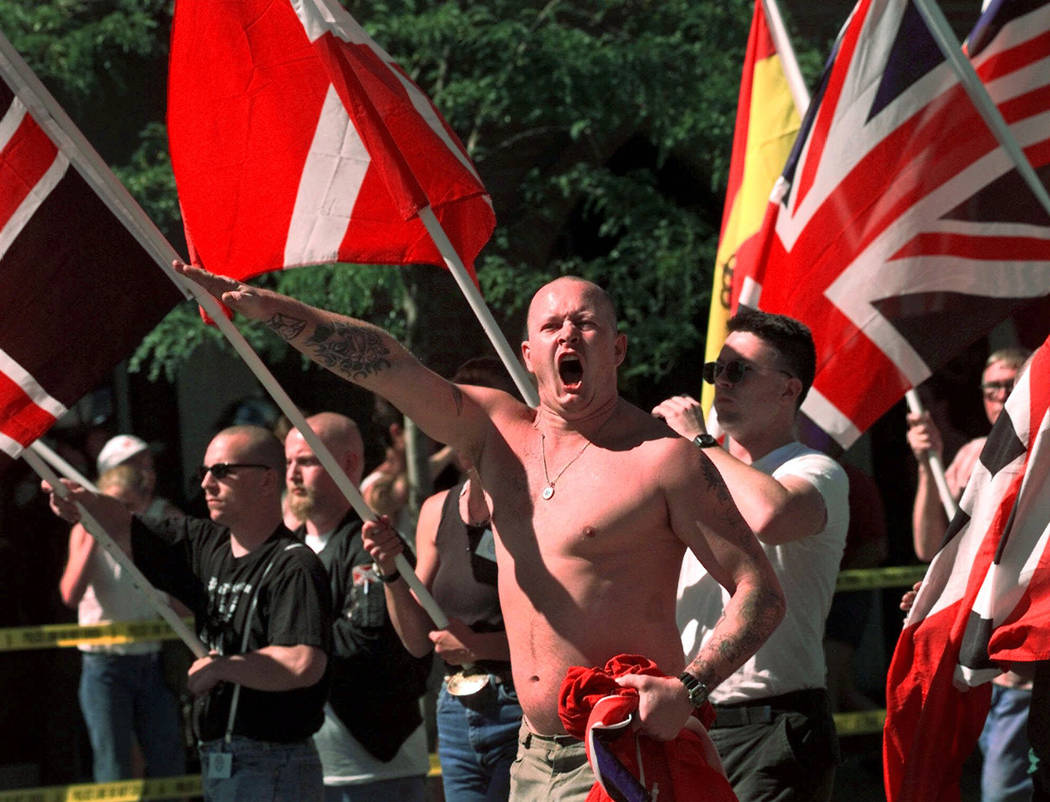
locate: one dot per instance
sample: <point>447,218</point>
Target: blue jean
<point>1004,745</point>
<point>123,695</point>
<point>477,742</point>
<point>401,789</point>
<point>263,771</point>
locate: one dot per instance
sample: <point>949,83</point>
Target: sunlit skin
<point>929,519</point>
<point>592,572</point>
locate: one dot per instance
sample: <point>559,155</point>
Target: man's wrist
<point>387,578</point>
<point>696,690</point>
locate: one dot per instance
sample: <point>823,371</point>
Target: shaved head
<point>592,292</point>
<point>255,444</point>
<point>341,435</point>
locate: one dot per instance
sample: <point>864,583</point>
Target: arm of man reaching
<point>777,510</point>
<point>928,519</point>
<point>360,353</point>
<point>458,644</point>
<point>710,524</point>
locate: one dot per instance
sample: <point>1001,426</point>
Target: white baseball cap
<point>119,449</point>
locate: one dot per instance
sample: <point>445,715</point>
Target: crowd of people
<point>692,577</point>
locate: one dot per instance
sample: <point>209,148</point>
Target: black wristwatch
<point>389,579</point>
<point>696,689</point>
<point>705,441</point>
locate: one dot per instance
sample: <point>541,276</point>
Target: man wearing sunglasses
<point>773,727</point>
<point>593,504</point>
<point>262,606</point>
<point>373,744</point>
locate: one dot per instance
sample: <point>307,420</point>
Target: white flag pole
<point>131,571</point>
<point>478,305</point>
<point>55,460</point>
<point>782,42</point>
<point>952,50</point>
<point>53,119</point>
<point>934,461</point>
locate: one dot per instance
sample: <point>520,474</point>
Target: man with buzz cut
<point>773,726</point>
<point>373,743</point>
<point>262,607</point>
<point>588,494</point>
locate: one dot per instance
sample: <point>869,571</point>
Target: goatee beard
<point>301,505</point>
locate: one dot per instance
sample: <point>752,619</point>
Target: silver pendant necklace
<point>548,491</point>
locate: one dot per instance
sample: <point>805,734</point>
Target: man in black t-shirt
<point>263,608</point>
<point>373,743</point>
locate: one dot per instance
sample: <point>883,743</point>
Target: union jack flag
<point>77,288</point>
<point>983,605</point>
<point>900,230</point>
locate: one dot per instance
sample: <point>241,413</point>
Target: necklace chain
<point>548,491</point>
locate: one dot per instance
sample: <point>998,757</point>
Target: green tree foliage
<point>601,129</point>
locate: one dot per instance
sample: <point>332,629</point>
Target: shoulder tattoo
<point>354,351</point>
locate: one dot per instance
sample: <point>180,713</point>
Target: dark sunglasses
<point>734,370</point>
<point>220,470</point>
<point>992,389</point>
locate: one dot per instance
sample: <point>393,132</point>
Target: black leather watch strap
<point>696,689</point>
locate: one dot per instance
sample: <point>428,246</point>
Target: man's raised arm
<point>712,526</point>
<point>360,353</point>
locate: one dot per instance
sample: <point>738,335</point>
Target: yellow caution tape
<point>863,722</point>
<point>131,790</point>
<point>122,791</point>
<point>897,576</point>
<point>64,635</point>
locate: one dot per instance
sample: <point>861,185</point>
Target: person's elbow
<point>307,666</point>
<point>767,600</point>
<point>70,598</point>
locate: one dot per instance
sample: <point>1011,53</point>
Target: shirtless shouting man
<point>593,503</point>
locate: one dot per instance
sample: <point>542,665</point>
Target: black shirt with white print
<point>192,560</point>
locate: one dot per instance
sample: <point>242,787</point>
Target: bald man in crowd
<point>594,503</point>
<point>372,743</point>
<point>262,607</point>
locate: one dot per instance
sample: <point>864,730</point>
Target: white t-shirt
<point>346,762</point>
<point>793,656</point>
<point>344,759</point>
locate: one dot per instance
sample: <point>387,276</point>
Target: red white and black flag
<point>984,604</point>
<point>77,288</point>
<point>902,231</point>
<point>295,140</point>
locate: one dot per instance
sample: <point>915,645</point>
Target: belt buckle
<point>467,681</point>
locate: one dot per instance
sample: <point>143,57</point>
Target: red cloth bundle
<point>671,771</point>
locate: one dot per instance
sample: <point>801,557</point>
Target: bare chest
<point>578,503</point>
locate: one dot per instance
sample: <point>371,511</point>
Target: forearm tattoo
<point>457,398</point>
<point>287,327</point>
<point>758,615</point>
<point>354,351</point>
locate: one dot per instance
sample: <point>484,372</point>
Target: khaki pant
<point>549,768</point>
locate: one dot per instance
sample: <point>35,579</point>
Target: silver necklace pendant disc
<point>548,492</point>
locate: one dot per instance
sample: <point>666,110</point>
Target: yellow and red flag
<point>766,125</point>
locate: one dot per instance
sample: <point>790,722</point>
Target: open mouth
<point>570,370</point>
